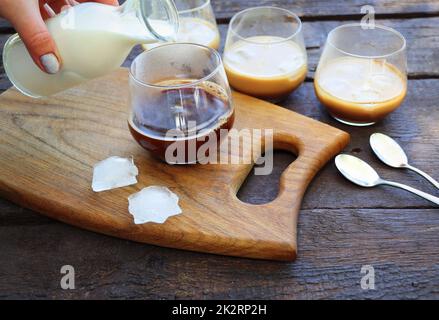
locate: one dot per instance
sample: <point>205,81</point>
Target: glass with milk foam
<point>265,53</point>
<point>92,39</point>
<point>362,73</point>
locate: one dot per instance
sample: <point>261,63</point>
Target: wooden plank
<point>225,9</point>
<point>423,60</point>
<point>13,215</point>
<point>413,126</point>
<point>401,245</point>
<point>50,171</point>
<point>333,243</point>
<point>422,40</point>
<point>420,139</point>
<point>319,9</point>
<point>422,37</point>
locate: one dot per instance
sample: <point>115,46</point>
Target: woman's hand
<point>27,17</point>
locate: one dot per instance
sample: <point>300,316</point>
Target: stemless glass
<point>180,102</point>
<point>362,74</point>
<point>265,54</point>
<point>197,24</point>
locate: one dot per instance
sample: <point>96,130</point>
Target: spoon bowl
<point>391,153</point>
<point>388,150</point>
<point>356,170</point>
<point>362,174</point>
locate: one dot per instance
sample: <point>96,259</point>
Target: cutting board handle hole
<point>261,189</point>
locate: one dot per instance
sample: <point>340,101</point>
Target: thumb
<point>35,35</point>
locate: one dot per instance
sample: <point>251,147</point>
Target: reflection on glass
<point>179,95</point>
<point>361,76</point>
<point>265,55</point>
<point>197,24</point>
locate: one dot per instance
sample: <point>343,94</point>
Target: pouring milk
<point>93,39</point>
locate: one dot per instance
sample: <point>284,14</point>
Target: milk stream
<point>93,39</point>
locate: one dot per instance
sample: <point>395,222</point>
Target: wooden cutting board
<point>49,147</point>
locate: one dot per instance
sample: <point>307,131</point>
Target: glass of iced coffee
<point>197,24</point>
<point>362,74</point>
<point>181,103</point>
<point>265,54</point>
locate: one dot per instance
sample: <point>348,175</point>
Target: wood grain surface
<point>422,37</point>
<point>341,227</point>
<point>336,10</point>
<point>49,146</point>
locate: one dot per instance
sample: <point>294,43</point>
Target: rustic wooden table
<point>341,227</point>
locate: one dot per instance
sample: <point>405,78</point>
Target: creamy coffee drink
<point>265,66</point>
<point>360,90</point>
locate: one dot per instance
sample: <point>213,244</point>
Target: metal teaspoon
<point>362,174</point>
<point>391,153</point>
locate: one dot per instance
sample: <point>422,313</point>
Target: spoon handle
<point>412,190</point>
<point>422,173</point>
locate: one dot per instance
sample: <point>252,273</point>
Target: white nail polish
<point>50,63</point>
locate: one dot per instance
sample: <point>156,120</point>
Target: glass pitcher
<point>92,39</point>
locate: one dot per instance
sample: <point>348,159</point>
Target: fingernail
<point>50,63</point>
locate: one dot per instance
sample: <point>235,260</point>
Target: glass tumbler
<point>265,54</point>
<point>197,24</point>
<point>362,73</point>
<point>180,100</point>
